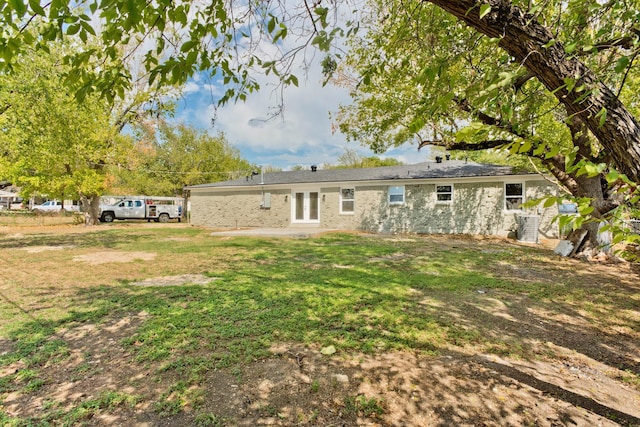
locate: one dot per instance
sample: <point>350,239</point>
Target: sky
<point>301,136</point>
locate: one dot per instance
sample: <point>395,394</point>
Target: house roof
<point>426,170</point>
<point>8,194</point>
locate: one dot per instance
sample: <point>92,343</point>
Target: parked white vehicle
<point>158,209</point>
<point>56,206</point>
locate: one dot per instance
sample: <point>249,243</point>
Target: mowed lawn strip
<point>358,293</point>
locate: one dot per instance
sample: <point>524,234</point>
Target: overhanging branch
<point>533,45</point>
<point>467,146</point>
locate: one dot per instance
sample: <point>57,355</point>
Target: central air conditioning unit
<point>527,228</point>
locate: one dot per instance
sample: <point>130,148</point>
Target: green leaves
<point>281,33</point>
<point>622,64</point>
<point>475,131</point>
<point>36,7</point>
<point>603,116</point>
<point>484,10</point>
<point>19,7</point>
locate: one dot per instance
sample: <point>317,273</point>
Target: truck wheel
<point>163,217</point>
<point>107,217</point>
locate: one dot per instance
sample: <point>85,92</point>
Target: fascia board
<point>378,182</point>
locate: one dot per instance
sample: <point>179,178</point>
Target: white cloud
<point>301,135</point>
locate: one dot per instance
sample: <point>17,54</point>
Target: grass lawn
<point>83,306</point>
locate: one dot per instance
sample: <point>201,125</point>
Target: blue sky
<point>301,136</point>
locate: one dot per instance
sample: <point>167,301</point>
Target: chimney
<point>438,159</point>
<point>314,168</point>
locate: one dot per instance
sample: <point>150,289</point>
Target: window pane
<point>313,211</point>
<point>396,194</point>
<point>444,193</point>
<point>299,205</point>
<point>396,190</point>
<point>514,189</point>
<point>348,193</point>
<point>347,206</point>
<point>514,202</point>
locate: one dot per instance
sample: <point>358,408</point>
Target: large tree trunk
<point>91,209</point>
<point>532,45</point>
<point>594,241</point>
<point>587,239</point>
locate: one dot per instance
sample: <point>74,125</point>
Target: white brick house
<point>448,197</point>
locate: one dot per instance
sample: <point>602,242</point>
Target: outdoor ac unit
<point>635,225</point>
<point>527,228</point>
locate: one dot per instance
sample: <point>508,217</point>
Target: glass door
<point>306,206</point>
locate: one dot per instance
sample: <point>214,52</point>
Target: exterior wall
<point>477,208</point>
<point>330,216</point>
<point>537,190</point>
<point>233,209</point>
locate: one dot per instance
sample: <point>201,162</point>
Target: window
<point>444,193</point>
<point>567,207</point>
<point>396,194</point>
<point>514,196</point>
<point>347,200</point>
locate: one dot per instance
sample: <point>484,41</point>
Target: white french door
<point>305,207</point>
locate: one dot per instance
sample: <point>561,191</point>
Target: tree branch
<point>533,46</point>
<point>467,146</point>
<point>520,81</point>
<point>488,120</point>
<point>626,42</point>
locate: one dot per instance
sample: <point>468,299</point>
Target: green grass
<point>367,406</point>
<point>53,414</point>
<point>360,294</point>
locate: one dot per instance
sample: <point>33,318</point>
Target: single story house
<point>446,196</point>
<point>9,199</point>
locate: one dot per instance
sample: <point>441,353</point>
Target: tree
<point>463,91</point>
<point>169,157</point>
<point>352,159</point>
<point>580,53</point>
<point>53,145</point>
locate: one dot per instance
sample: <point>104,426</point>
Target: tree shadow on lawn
<point>96,239</point>
<point>239,316</point>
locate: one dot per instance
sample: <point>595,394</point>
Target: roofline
<point>398,181</point>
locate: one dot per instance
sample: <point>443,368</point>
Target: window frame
<point>352,200</point>
<point>522,196</point>
<point>390,194</point>
<point>450,193</point>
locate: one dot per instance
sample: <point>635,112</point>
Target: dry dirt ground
<point>457,388</point>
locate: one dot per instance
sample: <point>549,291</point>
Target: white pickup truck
<point>158,209</point>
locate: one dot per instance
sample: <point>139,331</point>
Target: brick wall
<point>477,208</point>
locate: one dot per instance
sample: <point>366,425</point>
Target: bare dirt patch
<point>578,377</point>
<point>299,385</point>
<point>39,249</point>
<point>106,257</point>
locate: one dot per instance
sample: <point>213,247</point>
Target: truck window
<point>138,203</point>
